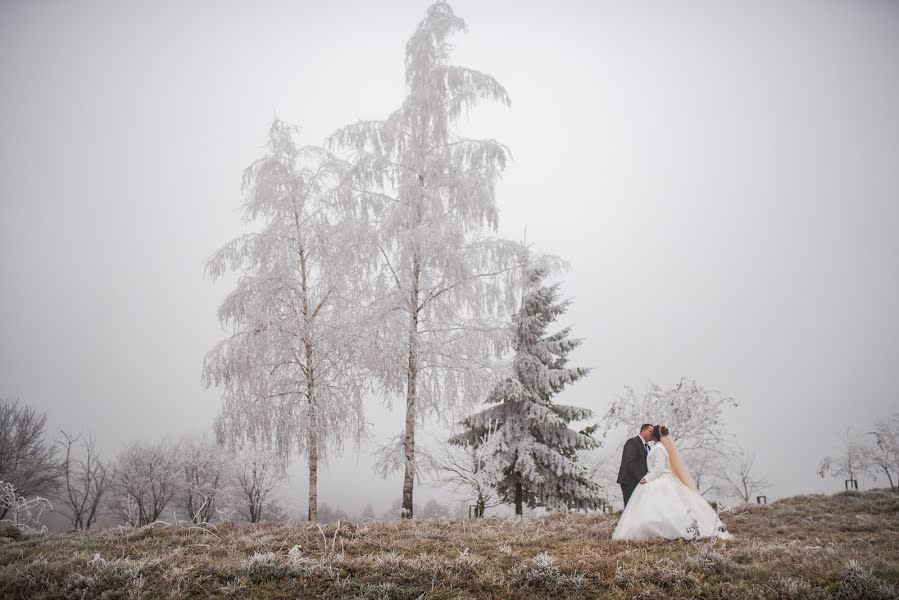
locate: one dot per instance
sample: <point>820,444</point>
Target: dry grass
<point>841,546</point>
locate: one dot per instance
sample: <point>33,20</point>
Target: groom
<point>633,461</point>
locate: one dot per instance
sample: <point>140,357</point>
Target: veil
<point>677,464</point>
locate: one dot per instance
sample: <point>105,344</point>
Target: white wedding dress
<point>666,508</point>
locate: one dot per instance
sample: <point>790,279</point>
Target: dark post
<point>851,483</point>
<point>761,499</point>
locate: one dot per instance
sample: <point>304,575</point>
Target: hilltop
<point>844,545</point>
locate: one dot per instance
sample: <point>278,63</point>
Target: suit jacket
<point>633,462</point>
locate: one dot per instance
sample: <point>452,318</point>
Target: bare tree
<point>27,460</point>
<point>883,455</point>
<point>434,509</point>
<point>740,478</point>
<point>204,463</point>
<point>86,480</point>
<point>850,461</point>
<point>330,515</point>
<point>464,469</point>
<point>146,479</point>
<point>602,464</point>
<point>256,476</point>
<point>693,414</point>
<point>708,467</point>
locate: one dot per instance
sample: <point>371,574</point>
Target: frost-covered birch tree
<point>287,368</point>
<point>437,276</point>
<point>535,457</point>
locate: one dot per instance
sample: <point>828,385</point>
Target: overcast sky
<point>722,178</point>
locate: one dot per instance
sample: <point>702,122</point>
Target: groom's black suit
<point>633,466</point>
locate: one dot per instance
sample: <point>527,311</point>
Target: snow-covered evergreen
<point>535,460</point>
<point>439,280</point>
<point>288,368</point>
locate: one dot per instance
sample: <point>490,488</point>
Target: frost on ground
<point>840,546</point>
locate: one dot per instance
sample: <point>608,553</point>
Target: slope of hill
<point>840,546</point>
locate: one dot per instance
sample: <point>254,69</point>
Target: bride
<point>666,504</point>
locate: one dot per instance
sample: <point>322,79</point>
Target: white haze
<point>723,179</point>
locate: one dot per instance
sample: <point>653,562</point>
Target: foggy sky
<point>723,179</point>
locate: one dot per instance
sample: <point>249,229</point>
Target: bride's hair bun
<point>658,432</point>
<point>663,431</point>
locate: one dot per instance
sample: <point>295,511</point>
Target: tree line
<point>191,479</point>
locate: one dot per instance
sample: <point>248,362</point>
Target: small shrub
<point>860,583</point>
<point>789,588</point>
<point>263,566</point>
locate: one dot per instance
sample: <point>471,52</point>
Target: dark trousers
<point>627,490</point>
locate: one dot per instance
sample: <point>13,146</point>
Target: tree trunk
<point>519,498</point>
<point>313,470</point>
<point>311,423</point>
<point>256,494</point>
<point>893,487</point>
<point>411,389</point>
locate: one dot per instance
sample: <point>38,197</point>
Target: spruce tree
<point>534,458</point>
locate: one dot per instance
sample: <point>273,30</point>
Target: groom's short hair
<point>644,427</point>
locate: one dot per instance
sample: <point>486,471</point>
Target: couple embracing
<point>660,497</point>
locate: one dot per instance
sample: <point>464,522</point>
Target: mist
<point>721,179</point>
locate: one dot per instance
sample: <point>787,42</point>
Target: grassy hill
<point>840,546</point>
